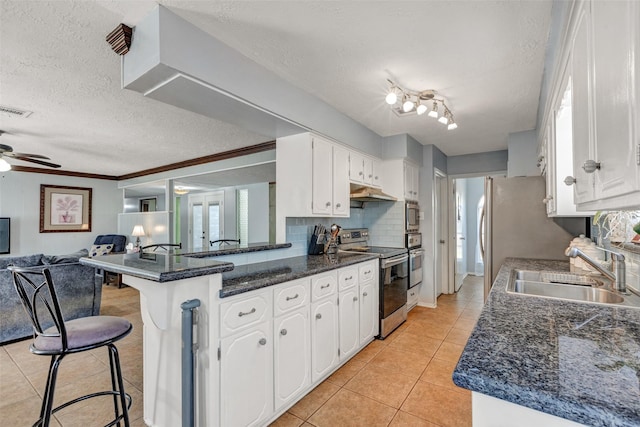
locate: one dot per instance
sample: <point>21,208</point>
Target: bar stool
<point>56,338</point>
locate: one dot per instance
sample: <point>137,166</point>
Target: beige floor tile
<point>22,414</point>
<point>314,400</point>
<point>428,328</point>
<point>287,420</point>
<point>384,386</point>
<point>470,313</point>
<point>138,423</point>
<point>458,336</point>
<point>346,372</point>
<point>403,419</point>
<point>346,408</point>
<point>449,351</point>
<point>402,362</point>
<point>396,333</point>
<point>440,372</point>
<point>14,387</point>
<point>72,368</point>
<point>370,351</point>
<point>439,405</point>
<point>416,344</point>
<point>465,323</point>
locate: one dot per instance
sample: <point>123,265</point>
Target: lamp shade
<point>138,231</point>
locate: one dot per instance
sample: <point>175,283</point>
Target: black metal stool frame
<point>31,292</point>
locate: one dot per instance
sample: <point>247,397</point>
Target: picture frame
<point>65,209</point>
<point>5,235</point>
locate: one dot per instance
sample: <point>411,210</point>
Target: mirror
<point>235,204</point>
<point>138,198</point>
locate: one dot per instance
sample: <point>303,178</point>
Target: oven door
<point>416,257</point>
<point>394,283</point>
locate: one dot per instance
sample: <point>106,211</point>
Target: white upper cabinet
<point>312,175</point>
<point>364,169</point>
<point>356,167</point>
<point>401,179</point>
<point>604,66</point>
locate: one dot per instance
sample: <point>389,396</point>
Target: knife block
<point>316,247</point>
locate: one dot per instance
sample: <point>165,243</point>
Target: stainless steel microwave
<point>412,217</point>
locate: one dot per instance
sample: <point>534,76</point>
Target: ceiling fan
<point>6,151</point>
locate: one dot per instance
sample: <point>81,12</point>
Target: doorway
<point>441,237</point>
<point>467,201</point>
<point>206,219</point>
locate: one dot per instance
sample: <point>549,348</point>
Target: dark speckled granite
<point>573,360</point>
<point>237,249</point>
<point>249,277</point>
<point>158,267</point>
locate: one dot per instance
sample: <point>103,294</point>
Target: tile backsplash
<point>385,221</point>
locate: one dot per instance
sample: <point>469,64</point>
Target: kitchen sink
<point>568,286</point>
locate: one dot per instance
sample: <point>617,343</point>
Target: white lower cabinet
<point>292,355</point>
<point>324,337</point>
<point>368,312</point>
<point>277,343</point>
<point>246,376</point>
<point>349,314</point>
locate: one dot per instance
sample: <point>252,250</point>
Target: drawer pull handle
<point>263,341</point>
<point>283,332</point>
<point>253,310</point>
<point>325,286</point>
<point>293,297</point>
<point>365,294</point>
<point>349,278</point>
<point>367,272</point>
<point>328,204</point>
<point>355,299</point>
<point>318,316</point>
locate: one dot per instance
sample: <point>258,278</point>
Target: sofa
<point>78,288</point>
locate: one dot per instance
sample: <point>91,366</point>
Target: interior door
<point>206,219</point>
<point>441,235</point>
<point>460,233</point>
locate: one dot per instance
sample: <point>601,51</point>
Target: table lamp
<point>137,232</point>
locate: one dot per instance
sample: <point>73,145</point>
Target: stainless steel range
<point>394,277</point>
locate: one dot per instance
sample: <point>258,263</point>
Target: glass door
<point>206,220</point>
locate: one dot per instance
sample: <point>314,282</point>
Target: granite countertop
<point>245,278</point>
<point>158,267</point>
<point>573,360</point>
<point>233,249</point>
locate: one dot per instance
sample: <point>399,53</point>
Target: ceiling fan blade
<point>16,155</point>
<point>40,162</point>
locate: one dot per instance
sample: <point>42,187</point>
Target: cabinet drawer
<point>412,297</point>
<point>347,278</point>
<point>291,296</point>
<point>323,285</point>
<point>367,271</point>
<point>240,313</point>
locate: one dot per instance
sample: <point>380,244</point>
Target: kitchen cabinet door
<point>349,313</point>
<point>368,170</point>
<point>356,167</point>
<point>340,183</point>
<point>324,337</point>
<point>368,312</point>
<point>581,104</point>
<point>292,356</point>
<point>376,172</point>
<point>614,48</point>
<point>322,181</point>
<point>410,182</point>
<point>246,377</point>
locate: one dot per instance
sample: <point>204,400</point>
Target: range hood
<point>369,194</point>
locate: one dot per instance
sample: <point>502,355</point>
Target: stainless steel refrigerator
<point>514,223</point>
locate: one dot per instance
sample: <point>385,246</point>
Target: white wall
<point>20,200</point>
<point>258,212</point>
<point>523,154</point>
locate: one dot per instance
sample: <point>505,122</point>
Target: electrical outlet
<point>421,216</point>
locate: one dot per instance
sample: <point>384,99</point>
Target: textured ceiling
<point>485,57</point>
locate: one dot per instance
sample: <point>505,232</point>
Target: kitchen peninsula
<point>267,333</point>
<point>551,362</point>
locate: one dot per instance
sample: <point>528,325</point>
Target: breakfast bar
<point>167,280</point>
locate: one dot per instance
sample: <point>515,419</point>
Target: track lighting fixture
<point>404,102</point>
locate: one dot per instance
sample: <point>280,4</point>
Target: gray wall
<point>523,154</point>
<point>475,191</point>
<point>20,200</point>
<point>492,161</point>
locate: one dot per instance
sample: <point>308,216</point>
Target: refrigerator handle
<point>481,234</point>
<point>488,235</point>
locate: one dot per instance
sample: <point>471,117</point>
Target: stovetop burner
<point>356,241</point>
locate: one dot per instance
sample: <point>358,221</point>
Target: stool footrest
<point>90,396</point>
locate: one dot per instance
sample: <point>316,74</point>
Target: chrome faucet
<point>617,259</point>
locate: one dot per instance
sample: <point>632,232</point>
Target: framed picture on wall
<point>5,235</point>
<point>64,209</point>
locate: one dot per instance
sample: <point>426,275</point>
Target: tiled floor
<point>404,380</point>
